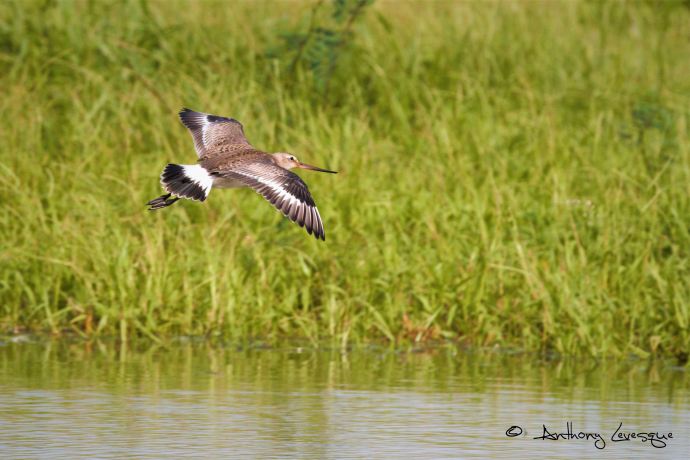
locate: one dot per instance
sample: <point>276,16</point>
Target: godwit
<point>228,160</point>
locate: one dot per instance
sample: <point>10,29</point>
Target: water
<point>74,400</point>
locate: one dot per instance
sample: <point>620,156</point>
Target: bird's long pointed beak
<point>314,168</point>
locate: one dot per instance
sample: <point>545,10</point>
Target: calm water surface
<point>190,399</point>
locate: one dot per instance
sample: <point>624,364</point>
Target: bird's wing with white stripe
<point>211,132</point>
<point>283,189</point>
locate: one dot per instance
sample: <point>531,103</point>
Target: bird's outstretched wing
<point>211,132</point>
<point>283,189</point>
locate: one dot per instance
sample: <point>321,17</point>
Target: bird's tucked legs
<point>161,202</point>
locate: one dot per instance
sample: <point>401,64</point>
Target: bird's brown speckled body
<point>228,160</point>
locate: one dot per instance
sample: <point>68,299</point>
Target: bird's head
<point>288,161</point>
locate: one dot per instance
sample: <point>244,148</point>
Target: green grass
<point>510,173</point>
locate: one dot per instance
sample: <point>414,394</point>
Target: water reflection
<point>195,399</point>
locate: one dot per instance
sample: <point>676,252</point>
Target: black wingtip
<point>190,118</point>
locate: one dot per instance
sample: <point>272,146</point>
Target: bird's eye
<point>292,158</point>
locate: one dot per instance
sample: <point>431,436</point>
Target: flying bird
<point>228,160</point>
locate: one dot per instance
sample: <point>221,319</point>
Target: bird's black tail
<point>183,181</point>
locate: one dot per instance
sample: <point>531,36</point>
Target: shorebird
<point>228,160</point>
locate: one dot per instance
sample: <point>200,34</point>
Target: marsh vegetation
<point>510,173</point>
